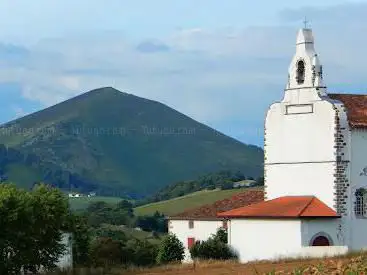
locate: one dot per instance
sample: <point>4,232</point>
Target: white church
<point>315,167</point>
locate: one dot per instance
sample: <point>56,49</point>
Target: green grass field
<point>177,205</point>
<point>83,202</point>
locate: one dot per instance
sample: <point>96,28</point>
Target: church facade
<point>315,171</point>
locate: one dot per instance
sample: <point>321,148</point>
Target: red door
<point>190,242</point>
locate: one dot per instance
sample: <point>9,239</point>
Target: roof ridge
<point>307,205</point>
<point>346,94</point>
<point>284,207</point>
<point>355,105</point>
<point>244,197</point>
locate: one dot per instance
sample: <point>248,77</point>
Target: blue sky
<point>221,62</point>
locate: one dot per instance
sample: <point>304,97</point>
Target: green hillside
<point>113,142</point>
<point>83,202</point>
<point>193,200</point>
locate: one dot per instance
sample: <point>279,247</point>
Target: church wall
<point>341,192</point>
<point>321,251</point>
<point>201,231</point>
<point>358,179</point>
<point>306,137</point>
<point>302,179</point>
<point>300,157</point>
<point>359,159</point>
<point>257,239</point>
<point>329,227</point>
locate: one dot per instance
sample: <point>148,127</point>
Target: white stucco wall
<point>299,150</point>
<point>330,228</point>
<point>358,226</point>
<point>301,179</point>
<point>264,239</point>
<point>320,251</point>
<point>202,231</point>
<point>312,227</point>
<point>273,239</point>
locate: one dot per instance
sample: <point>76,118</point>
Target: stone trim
<point>341,181</point>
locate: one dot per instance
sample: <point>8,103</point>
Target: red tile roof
<point>210,211</point>
<point>284,207</point>
<point>356,108</point>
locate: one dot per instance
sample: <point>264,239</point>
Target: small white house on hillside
<point>315,171</point>
<point>75,195</point>
<point>200,223</point>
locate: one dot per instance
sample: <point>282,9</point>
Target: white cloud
<point>19,112</point>
<point>218,77</point>
<point>198,80</point>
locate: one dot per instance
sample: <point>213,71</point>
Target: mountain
<point>114,142</point>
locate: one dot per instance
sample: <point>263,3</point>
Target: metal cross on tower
<point>305,22</point>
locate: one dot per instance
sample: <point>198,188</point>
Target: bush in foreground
<point>215,248</point>
<point>170,250</point>
<point>108,252</point>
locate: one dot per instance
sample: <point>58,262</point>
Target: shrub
<point>227,185</point>
<point>106,252</point>
<point>221,236</point>
<point>109,252</point>
<point>140,253</point>
<point>156,222</point>
<point>170,250</point>
<point>214,248</point>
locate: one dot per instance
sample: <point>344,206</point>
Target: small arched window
<point>321,239</point>
<point>360,203</point>
<point>300,72</point>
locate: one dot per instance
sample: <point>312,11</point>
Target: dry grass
<point>351,264</point>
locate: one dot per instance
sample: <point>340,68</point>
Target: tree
<point>50,210</point>
<point>140,252</point>
<point>227,185</point>
<point>106,252</point>
<point>44,211</point>
<point>14,210</point>
<point>97,206</point>
<point>170,250</point>
<point>112,233</point>
<point>214,248</point>
<point>238,176</point>
<point>221,236</point>
<point>211,187</point>
<point>101,212</point>
<point>81,240</point>
<point>157,223</point>
<point>260,181</point>
<point>109,252</point>
<point>125,204</point>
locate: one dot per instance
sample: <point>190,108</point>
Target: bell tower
<point>305,71</point>
<point>300,144</point>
